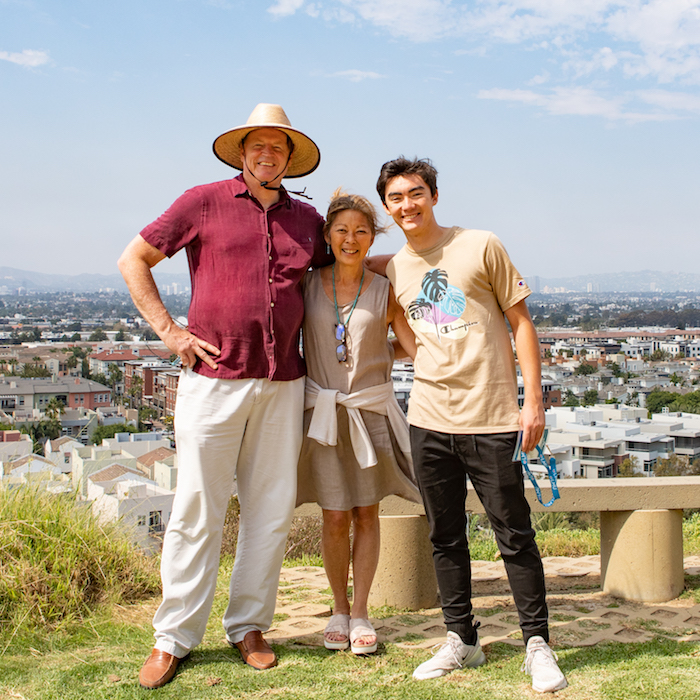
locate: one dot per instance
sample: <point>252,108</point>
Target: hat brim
<point>305,158</point>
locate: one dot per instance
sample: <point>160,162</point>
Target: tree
<point>100,378</point>
<point>135,389</point>
<point>115,375</point>
<point>41,432</point>
<point>97,336</point>
<point>146,417</point>
<point>55,409</point>
<point>584,369</point>
<point>676,379</point>
<point>33,369</point>
<point>677,465</point>
<point>659,355</point>
<point>109,431</point>
<point>615,369</point>
<point>75,338</point>
<point>590,397</point>
<point>629,467</point>
<point>570,398</point>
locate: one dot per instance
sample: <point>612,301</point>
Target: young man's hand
<point>532,424</point>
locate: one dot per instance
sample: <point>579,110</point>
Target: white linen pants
<point>251,430</point>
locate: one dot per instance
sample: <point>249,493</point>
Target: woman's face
<point>350,237</point>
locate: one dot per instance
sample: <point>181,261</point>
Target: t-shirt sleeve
<point>178,226</point>
<point>508,284</point>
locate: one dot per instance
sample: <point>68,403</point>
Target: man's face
<point>409,203</point>
<point>265,154</point>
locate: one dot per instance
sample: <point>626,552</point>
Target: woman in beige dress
<point>356,449</point>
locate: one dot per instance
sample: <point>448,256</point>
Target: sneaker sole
<point>560,686</point>
<point>480,660</point>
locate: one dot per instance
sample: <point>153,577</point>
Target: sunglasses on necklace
<point>341,352</point>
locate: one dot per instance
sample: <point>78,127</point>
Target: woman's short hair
<point>342,201</point>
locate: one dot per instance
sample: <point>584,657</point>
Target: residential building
<point>120,494</point>
<point>14,444</point>
<point>60,452</point>
<point>22,395</point>
<point>35,470</point>
<point>147,461</point>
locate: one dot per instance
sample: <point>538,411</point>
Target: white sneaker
<point>541,663</point>
<point>454,653</point>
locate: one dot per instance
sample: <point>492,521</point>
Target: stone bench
<point>641,537</point>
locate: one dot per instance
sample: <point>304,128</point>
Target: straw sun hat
<point>305,158</point>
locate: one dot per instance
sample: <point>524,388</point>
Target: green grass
<point>104,664</point>
<point>68,632</point>
<point>58,565</point>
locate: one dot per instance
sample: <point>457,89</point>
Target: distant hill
<point>41,282</point>
<point>644,281</point>
<point>630,282</point>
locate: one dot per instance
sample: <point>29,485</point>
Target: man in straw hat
<point>241,390</point>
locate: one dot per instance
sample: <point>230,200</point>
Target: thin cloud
<point>658,39</point>
<point>577,101</point>
<point>672,101</point>
<point>28,58</point>
<point>355,76</point>
<point>284,8</point>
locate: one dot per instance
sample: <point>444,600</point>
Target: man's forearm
<point>135,265</point>
<point>144,293</point>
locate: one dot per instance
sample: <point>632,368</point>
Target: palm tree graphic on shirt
<point>438,302</point>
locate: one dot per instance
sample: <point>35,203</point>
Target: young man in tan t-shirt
<point>457,287</point>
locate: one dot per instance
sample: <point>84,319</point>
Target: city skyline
<point>568,129</point>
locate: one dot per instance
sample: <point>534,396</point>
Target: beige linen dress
<point>331,475</point>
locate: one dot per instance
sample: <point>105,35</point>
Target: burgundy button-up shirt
<point>246,265</point>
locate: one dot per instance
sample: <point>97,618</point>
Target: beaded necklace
<point>341,329</point>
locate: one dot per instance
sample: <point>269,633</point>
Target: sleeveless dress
<point>331,475</point>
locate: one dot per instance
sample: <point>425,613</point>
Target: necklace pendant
<point>340,332</point>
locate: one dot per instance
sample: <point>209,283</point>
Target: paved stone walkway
<point>580,613</point>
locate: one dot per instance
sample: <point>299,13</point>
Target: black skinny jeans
<point>442,462</point>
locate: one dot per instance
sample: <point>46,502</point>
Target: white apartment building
<point>119,494</point>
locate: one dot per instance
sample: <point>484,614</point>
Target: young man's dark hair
<point>403,166</point>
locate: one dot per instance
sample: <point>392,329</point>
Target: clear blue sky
<point>570,128</point>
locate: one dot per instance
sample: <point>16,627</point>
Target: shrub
<point>303,541</point>
<point>59,565</point>
<point>560,542</point>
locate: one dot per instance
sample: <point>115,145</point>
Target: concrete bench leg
<point>405,575</point>
<point>641,554</point>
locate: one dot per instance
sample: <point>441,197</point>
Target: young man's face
<point>409,203</point>
<point>265,154</point>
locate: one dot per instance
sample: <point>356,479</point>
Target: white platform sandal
<point>338,624</point>
<point>362,628</point>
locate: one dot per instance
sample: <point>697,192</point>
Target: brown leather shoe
<point>158,669</point>
<point>256,652</point>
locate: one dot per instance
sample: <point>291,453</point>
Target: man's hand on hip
<point>190,348</point>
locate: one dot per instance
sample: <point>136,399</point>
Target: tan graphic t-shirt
<point>454,296</point>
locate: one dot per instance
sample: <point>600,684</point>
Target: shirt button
<point>270,280</point>
<point>269,257</point>
<point>272,303</point>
